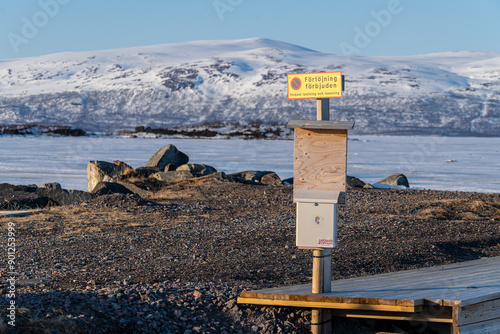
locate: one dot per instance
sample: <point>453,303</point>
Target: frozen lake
<point>441,163</point>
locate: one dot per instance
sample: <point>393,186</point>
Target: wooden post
<point>321,273</point>
<point>323,110</point>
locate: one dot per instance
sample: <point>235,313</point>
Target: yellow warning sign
<point>315,85</point>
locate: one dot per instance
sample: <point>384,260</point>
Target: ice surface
<point>441,163</point>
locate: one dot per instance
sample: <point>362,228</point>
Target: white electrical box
<point>317,216</point>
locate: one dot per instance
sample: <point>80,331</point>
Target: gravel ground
<point>176,263</point>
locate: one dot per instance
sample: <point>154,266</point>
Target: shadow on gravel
<point>458,251</point>
<point>164,308</point>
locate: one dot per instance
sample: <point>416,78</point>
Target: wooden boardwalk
<point>466,296</point>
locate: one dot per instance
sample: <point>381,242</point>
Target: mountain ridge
<point>243,81</point>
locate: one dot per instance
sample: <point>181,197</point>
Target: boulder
<point>354,182</point>
<point>30,188</point>
<point>125,169</point>
<point>105,188</point>
<point>288,181</point>
<point>98,171</point>
<point>6,186</point>
<point>168,155</point>
<point>146,171</point>
<point>197,169</point>
<point>218,177</point>
<point>395,180</point>
<point>62,196</point>
<point>173,176</point>
<point>141,192</point>
<point>79,196</point>
<point>248,176</point>
<point>271,179</point>
<point>53,185</point>
<point>170,168</point>
<point>21,200</point>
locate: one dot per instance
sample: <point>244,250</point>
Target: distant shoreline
<point>254,130</point>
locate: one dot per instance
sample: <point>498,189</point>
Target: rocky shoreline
<point>174,259</point>
<point>254,130</point>
<point>166,167</point>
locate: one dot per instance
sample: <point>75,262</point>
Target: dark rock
<point>80,196</point>
<point>63,196</point>
<point>63,131</point>
<point>368,186</point>
<point>147,171</point>
<point>6,186</point>
<point>271,179</point>
<point>21,200</point>
<point>173,176</point>
<point>354,182</point>
<point>198,169</point>
<point>29,189</point>
<point>288,181</point>
<point>249,176</point>
<point>167,155</point>
<point>219,176</point>
<point>136,189</point>
<point>170,168</point>
<point>105,188</point>
<point>395,180</point>
<point>53,185</point>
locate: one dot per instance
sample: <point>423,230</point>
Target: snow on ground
<point>440,163</point>
<point>185,84</point>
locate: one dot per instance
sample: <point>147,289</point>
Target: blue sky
<point>366,28</point>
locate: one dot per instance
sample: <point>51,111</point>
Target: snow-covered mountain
<point>456,93</point>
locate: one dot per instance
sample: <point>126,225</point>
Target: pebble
<point>115,310</point>
<point>105,285</point>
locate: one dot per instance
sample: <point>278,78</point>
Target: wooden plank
<point>320,160</point>
<point>485,327</point>
<point>320,305</point>
<point>377,301</point>
<point>432,294</point>
<point>479,312</point>
<point>249,294</point>
<point>425,283</point>
<point>421,316</point>
<point>482,295</point>
<point>330,299</point>
<point>291,290</point>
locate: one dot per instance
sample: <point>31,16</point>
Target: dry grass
<point>67,222</point>
<point>454,209</point>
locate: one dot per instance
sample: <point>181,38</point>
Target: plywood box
<point>320,155</point>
